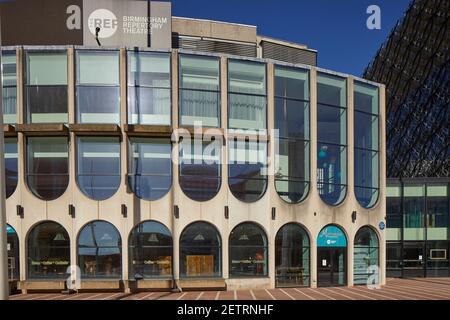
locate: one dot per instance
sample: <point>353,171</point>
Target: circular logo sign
<point>105,20</point>
<point>382,225</point>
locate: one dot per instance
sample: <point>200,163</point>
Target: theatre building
<point>99,176</point>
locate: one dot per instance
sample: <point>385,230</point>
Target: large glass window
<point>437,212</point>
<point>393,213</point>
<point>292,122</point>
<point>331,138</point>
<point>200,173</point>
<point>98,87</point>
<point>200,251</point>
<point>48,247</point>
<point>247,176</point>
<point>98,166</point>
<point>247,100</point>
<point>100,251</point>
<point>199,90</point>
<point>292,254</point>
<point>47,171</point>
<point>46,87</point>
<point>12,246</point>
<point>366,257</point>
<point>150,167</point>
<point>248,251</point>
<point>149,99</point>
<point>366,132</point>
<point>11,173</point>
<point>150,251</point>
<point>414,212</point>
<point>9,77</point>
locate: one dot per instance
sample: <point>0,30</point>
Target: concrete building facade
<point>317,221</point>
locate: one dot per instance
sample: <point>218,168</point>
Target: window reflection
<point>247,177</point>
<point>200,254</point>
<point>149,99</point>
<point>9,93</point>
<point>248,251</point>
<point>48,248</point>
<point>46,87</point>
<point>292,122</point>
<point>150,250</point>
<point>13,253</point>
<point>47,166</point>
<point>11,173</point>
<point>98,166</point>
<point>98,87</point>
<point>366,119</point>
<point>292,254</point>
<point>247,101</point>
<point>366,257</point>
<point>150,167</point>
<point>199,90</point>
<point>200,173</point>
<point>332,138</point>
<point>99,251</point>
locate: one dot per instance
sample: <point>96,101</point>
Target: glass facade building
<point>417,235</point>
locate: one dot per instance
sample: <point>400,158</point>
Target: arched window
<point>366,133</point>
<point>292,123</point>
<point>9,93</point>
<point>149,88</point>
<point>199,83</point>
<point>248,251</point>
<point>366,257</point>
<point>11,173</point>
<point>331,138</point>
<point>98,96</point>
<point>46,86</point>
<point>200,171</point>
<point>47,166</point>
<point>247,163</point>
<point>150,167</point>
<point>13,253</point>
<point>292,254</point>
<point>200,251</point>
<point>48,247</point>
<point>98,166</point>
<point>100,251</point>
<point>247,96</point>
<point>150,251</point>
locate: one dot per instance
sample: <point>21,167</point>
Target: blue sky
<point>336,28</point>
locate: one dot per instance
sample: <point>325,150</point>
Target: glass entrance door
<point>413,259</point>
<point>331,266</point>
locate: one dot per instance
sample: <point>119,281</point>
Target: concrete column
<point>271,179</point>
<point>224,124</point>
<point>21,162</point>
<point>350,175</point>
<point>124,228</point>
<point>313,169</point>
<point>382,210</point>
<point>175,188</point>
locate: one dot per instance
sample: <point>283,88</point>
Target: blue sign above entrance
<point>10,229</point>
<point>331,236</point>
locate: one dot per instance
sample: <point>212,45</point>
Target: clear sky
<point>336,28</point>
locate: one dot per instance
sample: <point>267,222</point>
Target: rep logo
<point>105,20</point>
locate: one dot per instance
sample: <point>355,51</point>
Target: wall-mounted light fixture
<point>274,212</point>
<point>20,211</point>
<point>72,210</point>
<point>176,211</point>
<point>226,212</point>
<point>124,210</point>
<point>353,216</point>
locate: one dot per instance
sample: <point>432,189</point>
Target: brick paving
<point>395,289</point>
